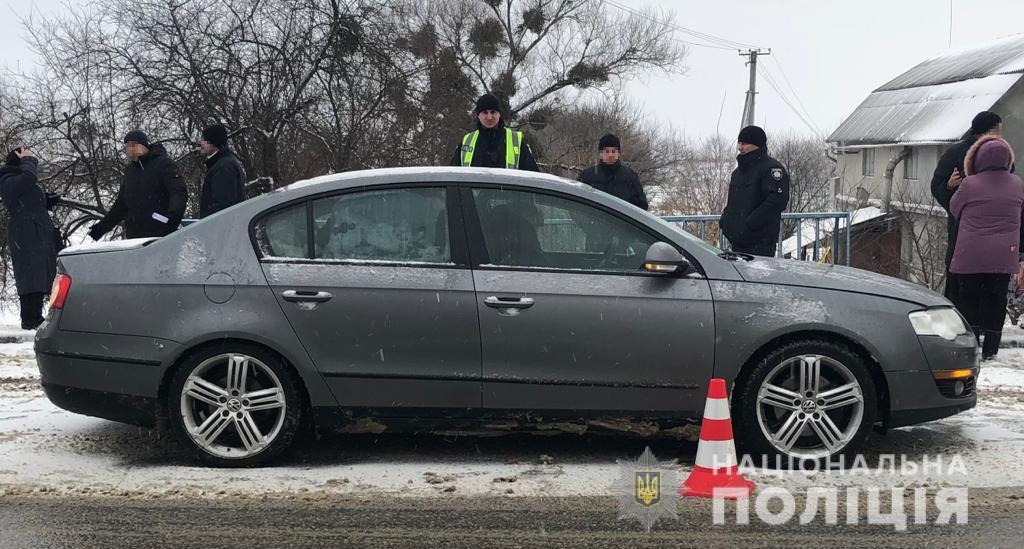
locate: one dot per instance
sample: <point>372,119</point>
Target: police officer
<point>612,176</point>
<point>758,193</point>
<point>492,145</point>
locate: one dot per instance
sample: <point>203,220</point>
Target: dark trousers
<point>983,303</point>
<point>763,249</point>
<point>952,290</point>
<point>32,310</point>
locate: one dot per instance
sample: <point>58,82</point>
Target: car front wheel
<point>807,400</point>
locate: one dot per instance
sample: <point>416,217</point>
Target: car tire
<point>224,425</point>
<point>842,408</point>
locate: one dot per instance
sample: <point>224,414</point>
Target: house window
<point>867,163</point>
<point>910,165</point>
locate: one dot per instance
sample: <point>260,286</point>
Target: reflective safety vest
<point>513,147</point>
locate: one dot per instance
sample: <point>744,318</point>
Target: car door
<point>376,284</point>
<point>569,320</point>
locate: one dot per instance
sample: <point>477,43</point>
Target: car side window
<point>526,229</point>
<point>284,234</point>
<point>393,225</point>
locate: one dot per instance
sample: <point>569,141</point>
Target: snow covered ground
<point>46,450</point>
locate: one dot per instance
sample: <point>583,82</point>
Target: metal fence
<point>817,236</point>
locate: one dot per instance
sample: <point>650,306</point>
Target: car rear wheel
<point>807,400</point>
<point>235,407</point>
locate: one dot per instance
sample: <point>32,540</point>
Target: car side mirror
<point>663,258</point>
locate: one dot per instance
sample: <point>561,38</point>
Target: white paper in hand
<point>160,218</point>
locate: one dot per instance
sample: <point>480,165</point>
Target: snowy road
<point>44,450</point>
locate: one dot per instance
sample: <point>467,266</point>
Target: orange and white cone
<point>716,473</point>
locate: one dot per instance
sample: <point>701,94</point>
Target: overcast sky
<point>833,53</point>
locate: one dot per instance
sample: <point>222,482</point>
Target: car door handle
<point>303,296</point>
<point>496,302</point>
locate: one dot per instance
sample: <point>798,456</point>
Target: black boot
<point>31,310</point>
<point>991,345</point>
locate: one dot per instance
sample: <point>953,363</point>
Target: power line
<point>719,42</point>
<point>771,82</point>
<point>793,90</point>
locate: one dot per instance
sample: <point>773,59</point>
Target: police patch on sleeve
<point>777,174</point>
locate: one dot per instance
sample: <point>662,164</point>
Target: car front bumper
<point>915,396</point>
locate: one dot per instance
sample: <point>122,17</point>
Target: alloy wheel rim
<point>233,406</point>
<point>810,407</point>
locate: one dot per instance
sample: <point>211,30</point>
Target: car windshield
<point>690,237</point>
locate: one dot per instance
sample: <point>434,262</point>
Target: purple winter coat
<point>989,205</point>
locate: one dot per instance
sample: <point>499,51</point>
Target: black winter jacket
<point>152,198</point>
<point>617,180</point>
<point>490,150</point>
<point>30,233</point>
<point>758,194</point>
<point>224,184</point>
<point>952,159</point>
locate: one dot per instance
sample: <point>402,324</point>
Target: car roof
<point>429,174</point>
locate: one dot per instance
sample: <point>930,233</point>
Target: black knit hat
<point>216,135</point>
<point>985,121</point>
<point>609,140</point>
<point>753,135</point>
<point>137,136</point>
<point>12,158</point>
<point>487,102</point>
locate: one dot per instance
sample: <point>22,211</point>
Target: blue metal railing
<point>805,223</point>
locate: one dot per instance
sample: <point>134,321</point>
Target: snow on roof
<point>826,227</point>
<point>936,100</point>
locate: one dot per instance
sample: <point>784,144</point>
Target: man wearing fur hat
<point>224,184</point>
<point>758,194</point>
<point>492,145</point>
<point>612,176</point>
<point>152,198</point>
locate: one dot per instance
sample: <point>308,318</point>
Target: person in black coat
<point>758,194</point>
<point>946,180</point>
<point>30,233</point>
<point>612,176</point>
<point>152,198</point>
<point>224,185</point>
<point>489,146</point>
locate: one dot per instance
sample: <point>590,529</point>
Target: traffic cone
<point>716,473</point>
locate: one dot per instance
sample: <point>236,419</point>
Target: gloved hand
<point>96,232</point>
<point>52,199</point>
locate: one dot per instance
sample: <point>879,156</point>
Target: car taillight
<point>59,291</point>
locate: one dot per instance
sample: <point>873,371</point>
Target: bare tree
<point>567,139</point>
<point>528,53</point>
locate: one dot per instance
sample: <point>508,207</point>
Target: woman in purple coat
<point>989,205</point>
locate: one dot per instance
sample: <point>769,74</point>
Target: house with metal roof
<point>924,111</point>
<point>905,125</point>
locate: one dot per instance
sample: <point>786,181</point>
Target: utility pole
<point>748,106</point>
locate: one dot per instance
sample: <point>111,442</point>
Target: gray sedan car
<point>432,299</point>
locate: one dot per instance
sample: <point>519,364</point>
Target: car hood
<point>789,272</point>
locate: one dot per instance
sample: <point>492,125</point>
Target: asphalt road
<point>58,523</point>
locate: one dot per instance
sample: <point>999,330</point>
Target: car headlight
<point>945,323</point>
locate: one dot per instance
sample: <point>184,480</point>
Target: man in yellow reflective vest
<point>493,145</point>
